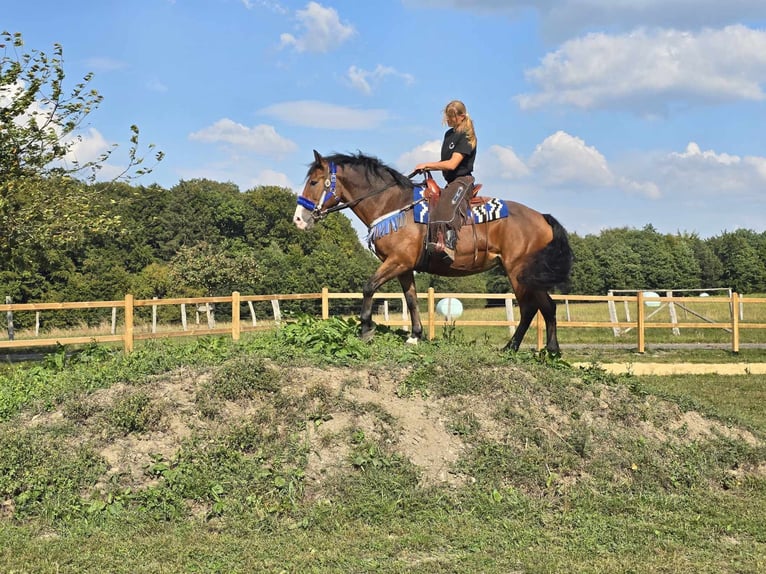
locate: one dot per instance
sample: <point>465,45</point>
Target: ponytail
<point>457,108</point>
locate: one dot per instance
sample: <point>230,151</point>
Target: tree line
<point>202,237</point>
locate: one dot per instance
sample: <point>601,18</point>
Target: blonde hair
<point>457,108</point>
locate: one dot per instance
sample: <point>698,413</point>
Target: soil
<point>684,368</point>
<point>418,426</point>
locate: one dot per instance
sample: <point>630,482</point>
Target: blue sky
<point>605,113</point>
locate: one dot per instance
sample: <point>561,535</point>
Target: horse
<point>532,248</point>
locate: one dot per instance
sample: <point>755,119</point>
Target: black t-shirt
<point>455,141</point>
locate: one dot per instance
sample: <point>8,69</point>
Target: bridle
<point>318,211</point>
<point>324,207</point>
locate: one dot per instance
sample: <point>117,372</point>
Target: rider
<point>457,157</point>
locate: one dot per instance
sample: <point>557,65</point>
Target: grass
<point>564,470</point>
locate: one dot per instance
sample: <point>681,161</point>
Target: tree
<point>215,270</point>
<point>743,269</point>
<point>42,197</point>
<point>586,275</point>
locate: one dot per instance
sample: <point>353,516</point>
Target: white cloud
<point>262,139</point>
<point>364,80</point>
<point>502,162</point>
<point>567,18</point>
<point>708,173</point>
<point>273,6</point>
<point>425,152</point>
<point>105,64</point>
<point>321,30</point>
<point>562,159</point>
<point>313,114</point>
<point>652,69</point>
<point>270,177</point>
<point>156,86</point>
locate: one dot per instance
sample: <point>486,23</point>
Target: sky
<point>604,113</point>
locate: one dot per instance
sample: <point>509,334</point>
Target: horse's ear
<point>317,157</point>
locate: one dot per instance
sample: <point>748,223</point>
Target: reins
<point>319,213</point>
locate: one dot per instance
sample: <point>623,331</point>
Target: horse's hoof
<point>412,341</point>
<point>366,336</point>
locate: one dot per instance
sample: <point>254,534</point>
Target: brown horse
<point>532,248</point>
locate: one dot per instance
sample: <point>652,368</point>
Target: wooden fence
<point>128,333</point>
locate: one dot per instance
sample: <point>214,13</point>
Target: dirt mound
<point>335,407</point>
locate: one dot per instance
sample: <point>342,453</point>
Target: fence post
<point>640,320</point>
<point>613,313</point>
<point>325,303</point>
<point>9,318</point>
<point>277,312</point>
<point>431,315</point>
<point>235,326</point>
<point>127,336</point>
<point>735,323</point>
<point>673,315</point>
<point>509,315</point>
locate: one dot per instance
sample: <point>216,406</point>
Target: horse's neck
<point>378,204</point>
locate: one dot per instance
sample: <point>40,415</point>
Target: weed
<point>136,413</point>
<point>334,340</point>
<point>244,377</point>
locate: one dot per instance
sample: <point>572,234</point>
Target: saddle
<point>433,191</point>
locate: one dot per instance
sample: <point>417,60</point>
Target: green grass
<point>739,399</point>
<point>563,469</point>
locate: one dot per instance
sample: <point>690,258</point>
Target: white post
<point>114,320</point>
<point>183,315</point>
<point>673,315</point>
<point>613,314</point>
<point>252,313</point>
<point>509,315</point>
<point>154,316</point>
<point>277,312</point>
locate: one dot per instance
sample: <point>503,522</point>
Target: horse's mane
<point>372,167</point>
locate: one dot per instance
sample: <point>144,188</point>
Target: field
<point>304,450</point>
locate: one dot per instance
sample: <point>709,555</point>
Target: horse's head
<point>319,194</point>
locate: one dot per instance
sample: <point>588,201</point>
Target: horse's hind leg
<point>548,309</point>
<point>407,281</point>
<point>528,306</point>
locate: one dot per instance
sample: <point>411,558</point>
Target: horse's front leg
<point>387,271</point>
<point>407,281</point>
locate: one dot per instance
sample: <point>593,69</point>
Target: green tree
<point>586,275</point>
<point>620,266</point>
<point>215,269</point>
<point>743,269</point>
<point>44,206</point>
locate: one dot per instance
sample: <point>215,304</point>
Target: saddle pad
<point>490,210</point>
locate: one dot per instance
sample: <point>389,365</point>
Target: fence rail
<point>637,303</point>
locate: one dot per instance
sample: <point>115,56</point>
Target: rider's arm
<point>447,164</point>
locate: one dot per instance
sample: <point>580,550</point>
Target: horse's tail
<point>551,265</point>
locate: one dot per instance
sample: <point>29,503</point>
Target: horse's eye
<point>313,182</point>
